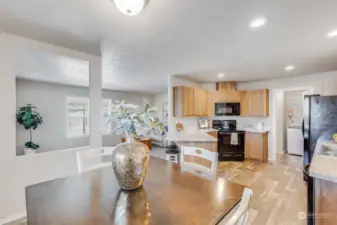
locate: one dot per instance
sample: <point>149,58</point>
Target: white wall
<point>17,172</point>
<point>158,101</point>
<point>294,102</point>
<point>50,100</point>
<point>279,113</point>
<point>317,84</point>
<point>129,97</point>
<point>320,83</point>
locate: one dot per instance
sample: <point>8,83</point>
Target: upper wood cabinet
<point>243,103</point>
<point>189,101</point>
<point>226,92</point>
<point>258,102</point>
<point>200,102</point>
<point>225,96</point>
<point>226,86</point>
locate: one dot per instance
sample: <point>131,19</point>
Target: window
<point>78,117</point>
<point>106,116</point>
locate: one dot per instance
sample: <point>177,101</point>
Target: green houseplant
<point>30,119</point>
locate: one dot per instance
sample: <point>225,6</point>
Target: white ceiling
<point>195,37</point>
<point>42,66</point>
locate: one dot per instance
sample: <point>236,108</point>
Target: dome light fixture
<point>130,7</point>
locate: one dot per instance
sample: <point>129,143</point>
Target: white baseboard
<point>12,218</point>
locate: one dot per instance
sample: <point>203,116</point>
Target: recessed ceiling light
<point>289,68</point>
<point>221,75</point>
<point>258,22</point>
<point>131,7</point>
<point>331,34</point>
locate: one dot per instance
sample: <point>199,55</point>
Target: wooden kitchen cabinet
<point>258,103</point>
<point>214,144</point>
<point>256,146</point>
<point>189,102</point>
<point>243,103</point>
<point>225,96</point>
<point>231,96</point>
<point>225,86</point>
<point>325,193</point>
<point>227,92</point>
<point>200,102</point>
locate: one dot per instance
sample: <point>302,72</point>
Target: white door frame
<point>276,121</point>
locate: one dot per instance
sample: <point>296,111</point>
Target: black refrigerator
<point>319,122</point>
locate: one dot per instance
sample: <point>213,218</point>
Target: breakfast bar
<point>323,183</point>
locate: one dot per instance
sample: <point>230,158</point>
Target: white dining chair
<point>239,214</point>
<point>197,168</point>
<point>91,159</point>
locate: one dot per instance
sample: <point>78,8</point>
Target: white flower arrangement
<point>136,120</point>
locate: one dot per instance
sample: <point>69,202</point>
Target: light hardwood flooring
<point>279,189</point>
<point>280,193</point>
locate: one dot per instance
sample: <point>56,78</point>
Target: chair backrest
<point>209,160</point>
<point>239,216</point>
<point>90,160</point>
<point>197,171</point>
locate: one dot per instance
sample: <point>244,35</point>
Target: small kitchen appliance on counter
<point>204,124</point>
<point>231,142</point>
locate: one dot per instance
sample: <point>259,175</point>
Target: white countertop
<point>324,166</point>
<point>207,130</point>
<point>190,137</point>
<point>253,130</point>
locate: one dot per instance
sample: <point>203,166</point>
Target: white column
<point>95,103</point>
<point>7,100</point>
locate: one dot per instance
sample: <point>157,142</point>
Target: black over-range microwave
<point>227,109</point>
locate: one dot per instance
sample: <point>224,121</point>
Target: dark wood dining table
<point>168,197</point>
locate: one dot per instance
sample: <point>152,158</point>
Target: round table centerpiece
<point>130,159</point>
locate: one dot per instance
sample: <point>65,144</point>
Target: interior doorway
<point>287,121</point>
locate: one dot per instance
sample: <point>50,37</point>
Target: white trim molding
<point>13,218</point>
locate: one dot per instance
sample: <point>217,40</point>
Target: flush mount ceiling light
<point>220,75</point>
<point>258,22</point>
<point>289,68</point>
<point>332,34</point>
<point>130,7</point>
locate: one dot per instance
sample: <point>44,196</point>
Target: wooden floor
<point>279,190</point>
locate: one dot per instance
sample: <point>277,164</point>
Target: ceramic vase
<point>130,161</point>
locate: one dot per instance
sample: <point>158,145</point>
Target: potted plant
<point>130,159</point>
<point>30,119</point>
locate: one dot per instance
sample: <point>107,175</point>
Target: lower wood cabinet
<point>325,193</point>
<point>256,146</point>
<point>214,144</point>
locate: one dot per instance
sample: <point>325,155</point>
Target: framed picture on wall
<point>165,112</point>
